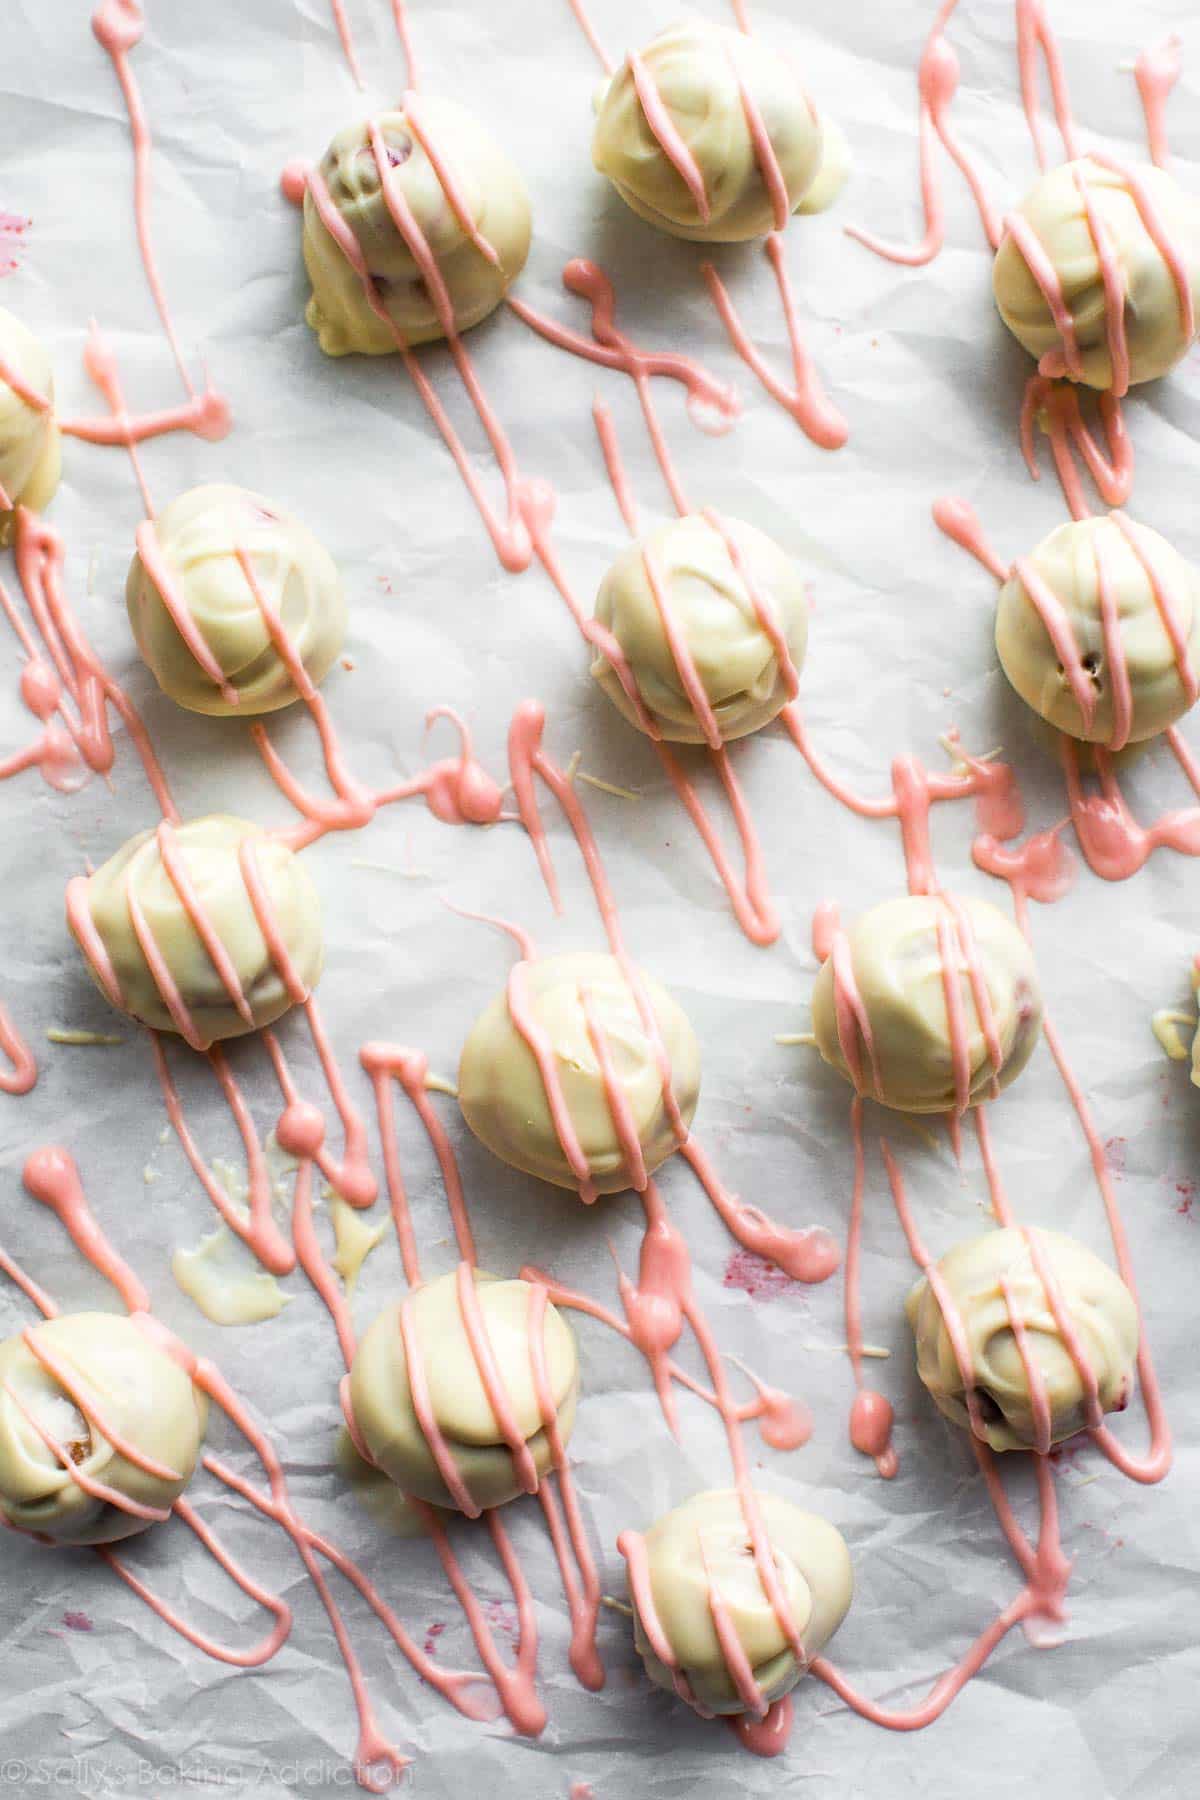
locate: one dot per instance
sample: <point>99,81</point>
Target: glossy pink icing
<point>712,404</point>
<point>1066,359</point>
<point>871,1416</point>
<point>805,399</point>
<point>21,1074</point>
<point>68,677</point>
<point>1057,406</point>
<point>1156,72</point>
<point>118,26</point>
<point>508,536</point>
<point>1112,277</point>
<point>937,83</point>
<point>1034,38</point>
<point>671,142</point>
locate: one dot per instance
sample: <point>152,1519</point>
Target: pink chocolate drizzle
<point>68,692</point>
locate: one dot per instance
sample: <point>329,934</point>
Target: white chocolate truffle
<point>30,449</point>
<point>705,1544</point>
<point>192,547</point>
<point>892,960</point>
<point>482,182</point>
<point>698,71</point>
<point>1095,1303</point>
<point>134,891</point>
<point>1054,216</point>
<point>386,1419</point>
<point>504,1099</point>
<point>1135,681</point>
<point>711,603</point>
<point>128,1386</point>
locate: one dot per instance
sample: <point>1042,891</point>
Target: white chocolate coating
<point>30,449</point>
<point>500,1086</point>
<point>198,536</point>
<point>1067,562</point>
<point>1095,1299</point>
<point>135,1389</point>
<point>209,851</point>
<point>714,612</point>
<point>386,1419</point>
<point>496,200</point>
<point>695,67</point>
<point>1054,210</point>
<point>815,1574</point>
<point>896,960</point>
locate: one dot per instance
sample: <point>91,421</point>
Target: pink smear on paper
<point>12,241</point>
<point>1186,1194</point>
<point>761,1279</point>
<point>501,1615</point>
<point>77,1621</point>
<point>1114,1155</point>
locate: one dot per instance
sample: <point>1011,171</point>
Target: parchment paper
<point>900,650</point>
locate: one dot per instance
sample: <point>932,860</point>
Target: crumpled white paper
<point>900,649</point>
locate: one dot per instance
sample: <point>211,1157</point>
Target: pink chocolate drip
<point>850,1014</point>
<point>764,149</point>
<point>12,377</point>
<point>88,1484</point>
<point>750,897</point>
<point>1033,36</point>
<point>937,84</point>
<point>1034,1378</point>
<point>1169,602</point>
<point>806,399</point>
<point>205,414</point>
<point>960,521</point>
<point>51,1177</point>
<point>514,1686</point>
<point>457,791</point>
<point>252,1657</point>
<point>582,1594</point>
<point>871,1416</point>
<point>663,127</point>
<point>175,864</point>
<point>118,26</point>
<point>448,181</point>
<point>41,558</point>
<point>805,1255</point>
<point>259,1231</point>
<point>1057,624</point>
<point>1042,268</point>
<point>1156,71</point>
<point>1172,253</point>
<point>1112,277</point>
<point>1114,649</point>
<point>1111,468</point>
<point>77,1391</point>
<point>509,537</point>
<point>681,656</point>
<point>475,1326</point>
<point>22,1073</point>
<point>163,578</point>
<point>431,1431</point>
<point>712,404</point>
<point>606,431</point>
<point>346,38</point>
<point>589,31</point>
<point>1114,844</point>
